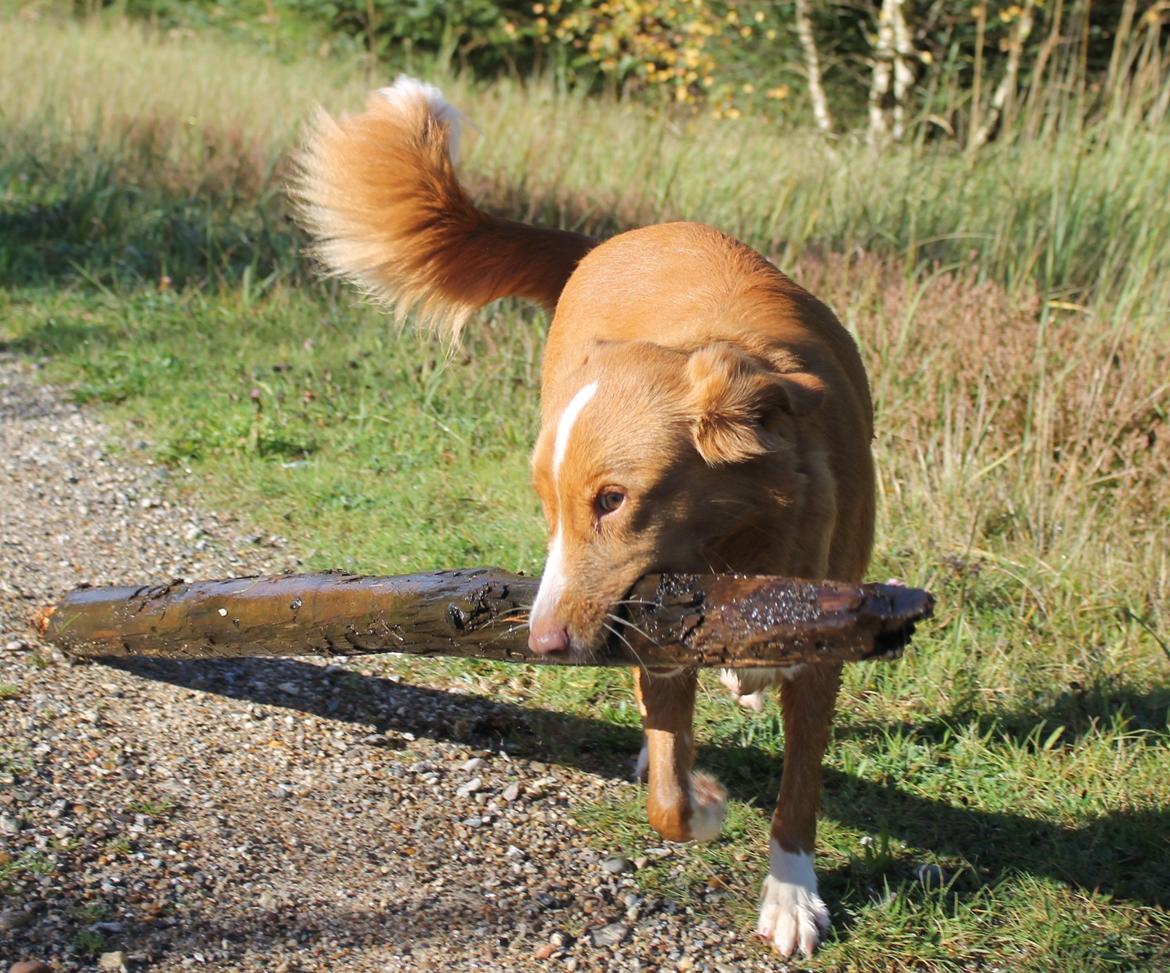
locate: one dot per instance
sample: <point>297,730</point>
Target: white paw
<point>752,701</point>
<point>642,767</point>
<point>708,807</point>
<point>748,685</point>
<point>792,915</point>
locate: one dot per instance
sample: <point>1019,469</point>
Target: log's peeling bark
<point>691,620</point>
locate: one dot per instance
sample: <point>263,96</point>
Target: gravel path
<point>275,815</point>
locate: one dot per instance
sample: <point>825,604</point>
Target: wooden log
<point>481,613</point>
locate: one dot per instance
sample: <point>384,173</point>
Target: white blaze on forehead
<point>552,581</point>
<point>566,422</point>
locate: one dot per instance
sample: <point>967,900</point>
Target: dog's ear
<point>733,397</point>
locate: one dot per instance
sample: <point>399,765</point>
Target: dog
<point>700,413</point>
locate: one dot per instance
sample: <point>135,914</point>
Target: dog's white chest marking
<point>552,581</point>
<point>792,915</point>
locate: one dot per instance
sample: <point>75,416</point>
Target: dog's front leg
<point>792,915</point>
<point>682,806</point>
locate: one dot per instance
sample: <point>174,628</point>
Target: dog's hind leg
<point>682,806</point>
<point>792,915</point>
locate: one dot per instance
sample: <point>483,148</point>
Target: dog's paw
<point>708,807</point>
<point>747,686</point>
<point>752,701</point>
<point>642,765</point>
<point>792,915</point>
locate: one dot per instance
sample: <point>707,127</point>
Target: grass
<point>29,862</point>
<point>149,808</point>
<point>1011,307</point>
<point>88,942</point>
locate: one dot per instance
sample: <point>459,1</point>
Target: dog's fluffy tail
<point>379,192</point>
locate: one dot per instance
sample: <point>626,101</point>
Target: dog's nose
<point>548,640</point>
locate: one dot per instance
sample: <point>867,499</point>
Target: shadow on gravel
<point>1122,853</point>
<point>411,922</point>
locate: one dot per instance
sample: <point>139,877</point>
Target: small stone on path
<point>615,864</point>
<point>610,935</point>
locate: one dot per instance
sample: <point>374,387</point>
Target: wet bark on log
<point>690,620</point>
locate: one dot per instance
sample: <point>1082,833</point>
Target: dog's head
<point>647,463</point>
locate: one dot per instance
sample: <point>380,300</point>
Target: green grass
<point>27,863</point>
<point>1011,307</point>
<point>88,942</point>
<point>150,808</point>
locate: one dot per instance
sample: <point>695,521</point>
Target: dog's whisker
<point>634,652</point>
<point>626,622</point>
<point>508,632</point>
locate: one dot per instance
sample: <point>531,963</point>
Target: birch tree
<point>892,74</point>
<point>812,68</point>
<point>1003,98</point>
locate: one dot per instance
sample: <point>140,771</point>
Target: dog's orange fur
<point>380,193</point>
<point>729,429</point>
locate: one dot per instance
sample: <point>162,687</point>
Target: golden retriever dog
<point>700,412</point>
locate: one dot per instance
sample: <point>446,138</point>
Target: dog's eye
<point>607,501</point>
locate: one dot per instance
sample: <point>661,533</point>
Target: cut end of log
<point>738,622</point>
<point>42,618</point>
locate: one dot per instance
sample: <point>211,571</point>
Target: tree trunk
<point>893,51</point>
<point>1002,101</point>
<point>812,67</point>
<point>903,73</point>
<point>879,88</point>
<point>670,620</point>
